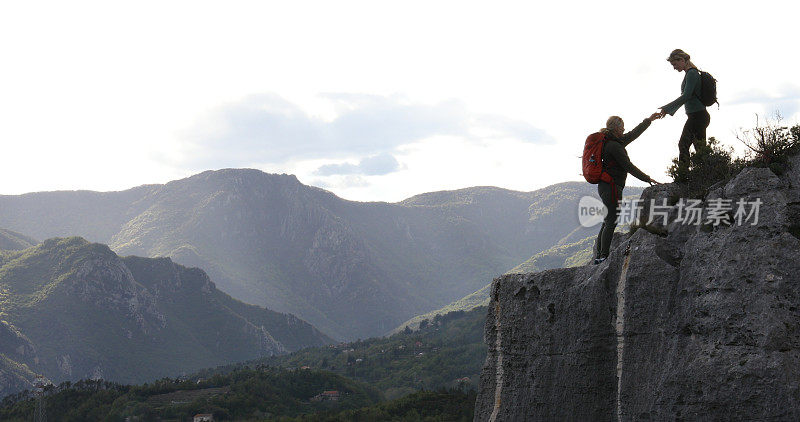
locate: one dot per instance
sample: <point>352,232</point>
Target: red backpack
<point>593,159</point>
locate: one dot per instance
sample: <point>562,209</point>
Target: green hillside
<point>14,376</point>
<point>424,373</point>
<point>246,394</point>
<point>446,350</point>
<point>263,394</point>
<point>479,298</point>
<point>70,310</point>
<point>14,241</point>
<point>559,256</point>
<point>442,405</point>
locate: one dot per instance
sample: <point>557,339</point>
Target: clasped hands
<point>657,115</point>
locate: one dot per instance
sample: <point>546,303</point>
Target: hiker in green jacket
<point>698,119</point>
<point>617,164</point>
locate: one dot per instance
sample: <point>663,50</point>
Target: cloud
<point>266,128</point>
<point>376,165</point>
<point>787,103</point>
<point>350,181</point>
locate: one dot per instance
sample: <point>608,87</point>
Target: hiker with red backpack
<point>698,90</point>
<point>606,162</point>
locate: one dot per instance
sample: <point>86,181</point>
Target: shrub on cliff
<point>708,165</point>
<point>768,145</point>
<point>771,144</point>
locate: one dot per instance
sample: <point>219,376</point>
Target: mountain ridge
<point>72,309</point>
<point>352,269</point>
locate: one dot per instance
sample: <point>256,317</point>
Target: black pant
<point>611,195</point>
<point>694,132</point>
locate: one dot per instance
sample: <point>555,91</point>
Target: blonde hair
<point>680,54</point>
<point>613,123</point>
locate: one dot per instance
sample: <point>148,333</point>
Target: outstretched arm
<point>636,132</point>
<point>692,79</point>
<point>619,155</point>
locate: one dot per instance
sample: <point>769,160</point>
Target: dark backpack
<point>593,159</point>
<point>708,89</point>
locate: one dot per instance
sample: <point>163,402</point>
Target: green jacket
<point>690,94</point>
<point>615,158</point>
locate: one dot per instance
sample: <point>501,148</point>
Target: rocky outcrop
<point>682,322</point>
<point>106,283</point>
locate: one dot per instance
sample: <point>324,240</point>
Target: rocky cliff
<point>686,320</point>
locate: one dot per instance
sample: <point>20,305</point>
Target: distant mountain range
<point>70,310</point>
<point>352,269</point>
<point>559,256</point>
<point>567,252</point>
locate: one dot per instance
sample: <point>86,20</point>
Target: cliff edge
<point>686,320</point>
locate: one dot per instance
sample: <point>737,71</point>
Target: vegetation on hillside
<point>262,394</point>
<point>770,144</point>
<point>71,309</point>
<point>559,256</point>
<point>479,298</point>
<point>13,241</point>
<point>245,394</point>
<point>426,374</point>
<point>15,376</point>
<point>445,352</point>
<point>451,405</point>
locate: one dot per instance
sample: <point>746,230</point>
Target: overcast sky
<point>372,100</point>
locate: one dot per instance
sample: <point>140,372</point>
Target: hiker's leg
<point>699,122</point>
<point>609,225</point>
<point>610,222</point>
<point>599,241</point>
<point>686,140</point>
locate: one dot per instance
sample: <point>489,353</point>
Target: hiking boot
<point>598,261</point>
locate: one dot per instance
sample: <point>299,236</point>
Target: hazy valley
<point>351,269</point>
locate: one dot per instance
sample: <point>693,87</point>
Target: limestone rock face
<point>682,322</point>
